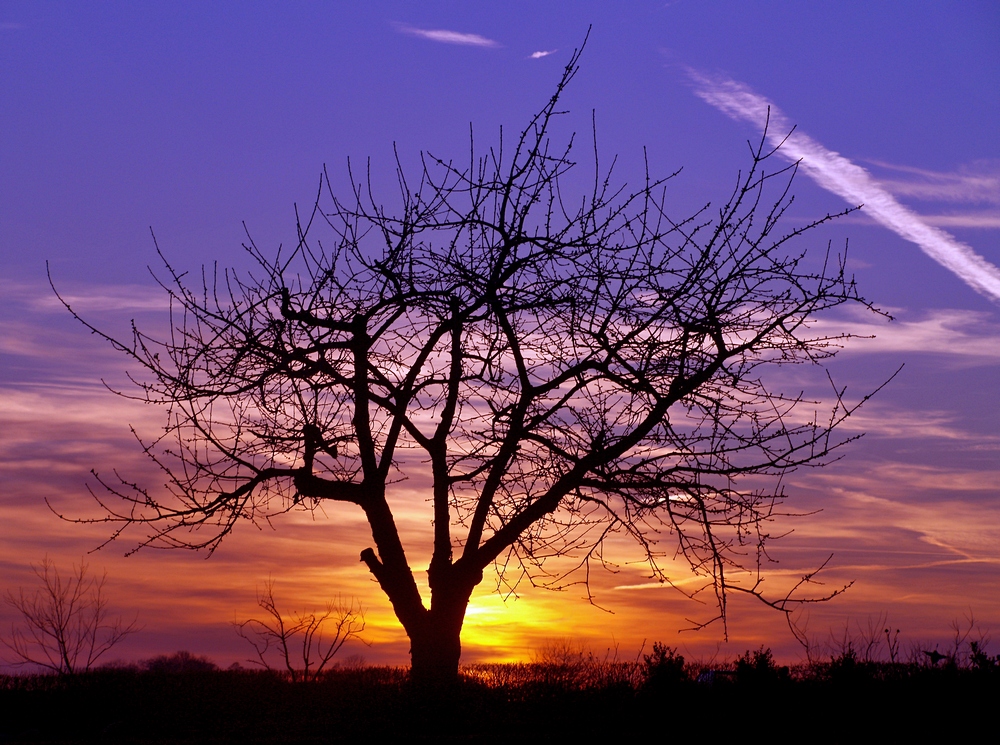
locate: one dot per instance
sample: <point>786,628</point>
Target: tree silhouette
<point>64,625</point>
<point>302,643</point>
<point>565,364</point>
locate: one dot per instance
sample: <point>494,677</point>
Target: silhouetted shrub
<point>757,667</point>
<point>179,662</point>
<point>664,668</point>
<point>563,664</point>
<point>980,661</point>
<point>846,669</point>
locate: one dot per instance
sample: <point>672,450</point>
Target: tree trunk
<point>436,644</point>
<point>435,652</point>
<point>435,634</point>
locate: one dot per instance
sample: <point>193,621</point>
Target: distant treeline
<point>181,698</point>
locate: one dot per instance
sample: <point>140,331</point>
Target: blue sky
<point>195,118</point>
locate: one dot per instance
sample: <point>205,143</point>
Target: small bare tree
<point>64,625</point>
<point>302,643</point>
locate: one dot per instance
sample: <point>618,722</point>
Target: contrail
<point>837,174</point>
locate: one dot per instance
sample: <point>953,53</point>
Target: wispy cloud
<point>37,296</point>
<point>878,420</point>
<point>840,176</point>
<point>975,183</point>
<point>964,220</point>
<point>957,524</point>
<point>539,55</point>
<point>131,298</point>
<point>955,333</point>
<point>448,37</point>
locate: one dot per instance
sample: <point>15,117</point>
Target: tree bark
<point>436,649</point>
<point>435,642</point>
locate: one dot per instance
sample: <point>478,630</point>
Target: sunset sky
<point>195,118</point>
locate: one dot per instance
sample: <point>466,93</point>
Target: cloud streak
<point>955,333</point>
<point>985,220</point>
<point>840,176</point>
<point>36,296</point>
<point>976,183</point>
<point>445,36</point>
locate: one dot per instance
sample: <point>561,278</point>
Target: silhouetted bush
<point>664,668</point>
<point>179,662</point>
<point>980,661</point>
<point>757,667</point>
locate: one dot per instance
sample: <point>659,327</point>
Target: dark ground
<point>659,701</point>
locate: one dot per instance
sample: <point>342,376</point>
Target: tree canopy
<point>564,367</point>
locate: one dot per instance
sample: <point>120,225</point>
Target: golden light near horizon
<point>313,556</point>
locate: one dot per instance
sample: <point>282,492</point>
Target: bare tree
<point>565,362</point>
<point>64,625</point>
<point>303,643</point>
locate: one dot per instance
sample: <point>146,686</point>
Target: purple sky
<point>193,118</point>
